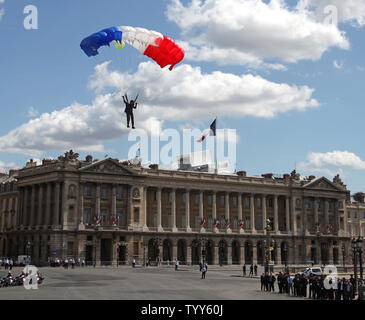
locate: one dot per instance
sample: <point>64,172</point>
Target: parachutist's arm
<point>135,106</point>
<point>135,100</point>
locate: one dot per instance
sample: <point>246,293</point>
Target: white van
<point>317,271</point>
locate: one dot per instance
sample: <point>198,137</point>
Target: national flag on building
<point>211,131</point>
<point>228,224</point>
<point>329,228</point>
<point>98,220</point>
<point>217,223</point>
<point>202,222</point>
<point>318,227</point>
<point>241,223</point>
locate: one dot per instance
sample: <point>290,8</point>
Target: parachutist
<point>129,106</point>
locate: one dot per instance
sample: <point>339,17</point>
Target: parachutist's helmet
<point>132,101</point>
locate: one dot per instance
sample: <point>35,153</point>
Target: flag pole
<point>215,147</point>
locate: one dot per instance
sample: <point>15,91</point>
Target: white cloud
<point>5,167</point>
<point>2,11</point>
<point>249,31</point>
<point>184,94</point>
<point>32,112</point>
<point>331,162</point>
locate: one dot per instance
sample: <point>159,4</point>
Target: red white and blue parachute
<point>158,47</point>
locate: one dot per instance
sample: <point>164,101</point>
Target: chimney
<point>89,159</point>
<point>286,176</point>
<point>267,175</point>
<point>154,166</point>
<point>241,173</point>
<point>311,178</point>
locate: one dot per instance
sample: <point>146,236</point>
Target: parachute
<point>153,44</point>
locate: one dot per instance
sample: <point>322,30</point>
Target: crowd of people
<point>66,263</point>
<point>8,263</point>
<point>312,286</point>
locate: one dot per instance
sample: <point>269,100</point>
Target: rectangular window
<point>197,198</point>
<point>103,192</point>
<point>87,191</point>
<point>169,196</point>
<point>87,215</point>
<point>119,192</point>
<point>259,203</point>
<point>210,200</point>
<point>235,222</point>
<point>197,222</point>
<point>155,219</point>
<point>70,248</point>
<point>104,217</point>
<point>183,221</point>
<point>136,214</point>
<point>122,218</point>
<point>169,220</point>
<point>307,204</point>
<point>259,223</point>
<point>247,223</point>
<point>155,196</point>
<point>235,201</point>
<point>247,202</point>
<point>271,204</point>
<point>210,222</point>
<point>135,248</point>
<point>223,200</point>
<point>184,197</point>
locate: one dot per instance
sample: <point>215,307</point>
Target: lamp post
<point>28,249</point>
<point>118,251</point>
<point>359,242</point>
<point>343,257</point>
<point>354,250</point>
<point>269,246</point>
<point>203,242</point>
<point>157,243</point>
<point>144,244</point>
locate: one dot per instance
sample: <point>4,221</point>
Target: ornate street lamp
<point>343,257</point>
<point>157,243</point>
<point>145,245</point>
<point>203,242</point>
<point>269,247</point>
<point>354,250</point>
<point>359,242</point>
<point>28,249</point>
<point>221,253</point>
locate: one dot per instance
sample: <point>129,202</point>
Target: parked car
<point>317,271</point>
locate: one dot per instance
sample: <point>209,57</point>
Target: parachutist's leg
<point>128,119</point>
<point>132,117</point>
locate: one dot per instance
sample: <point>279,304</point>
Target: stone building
<point>110,211</point>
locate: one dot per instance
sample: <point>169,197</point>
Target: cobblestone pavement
<point>152,283</point>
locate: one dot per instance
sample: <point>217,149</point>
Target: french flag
<point>209,132</point>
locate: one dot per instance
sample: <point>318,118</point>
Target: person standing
<point>262,280</point>
<point>11,263</point>
<point>251,270</point>
<point>204,270</point>
<point>348,290</point>
<point>244,270</point>
<point>280,286</point>
<point>272,280</point>
<point>176,264</point>
<point>255,269</point>
<point>133,262</point>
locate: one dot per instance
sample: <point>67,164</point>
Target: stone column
<point>201,208</point>
<point>226,202</point>
<point>173,212</point>
<point>97,200</point>
<point>254,253</point>
<point>276,214</point>
<point>214,211</point>
<point>294,216</point>
<point>174,251</point>
<point>216,254</point>
<point>187,213</point>
<point>80,212</point>
<point>264,215</point>
<point>287,211</point>
<point>229,254</point>
<point>330,254</point>
<point>114,201</point>
<point>56,204</point>
<point>326,215</point>
<point>159,210</point>
<point>316,220</point>
<point>188,254</point>
<point>32,207</point>
<point>278,254</point>
<point>48,205</point>
<point>345,226</point>
<point>240,218</point>
<point>40,205</point>
<point>145,194</point>
<point>305,217</point>
<point>242,256</point>
<point>252,213</point>
<point>336,227</point>
<point>25,217</point>
<point>64,212</point>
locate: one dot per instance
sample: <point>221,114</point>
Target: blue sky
<point>295,90</point>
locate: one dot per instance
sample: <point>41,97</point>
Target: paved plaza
<point>151,283</point>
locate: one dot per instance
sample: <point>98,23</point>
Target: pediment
<point>108,166</point>
<point>322,184</point>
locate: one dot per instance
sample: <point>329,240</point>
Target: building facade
<point>109,211</point>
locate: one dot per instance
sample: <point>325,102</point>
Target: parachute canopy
<point>158,47</point>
